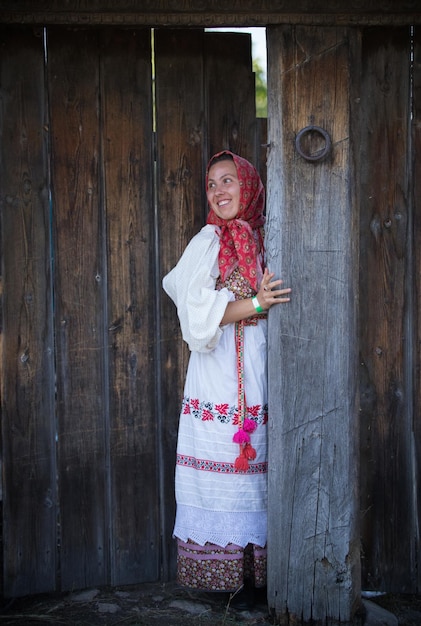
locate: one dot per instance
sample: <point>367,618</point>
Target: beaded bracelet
<point>257,305</point>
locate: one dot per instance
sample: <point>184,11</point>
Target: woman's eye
<point>227,181</point>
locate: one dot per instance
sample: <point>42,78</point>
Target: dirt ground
<point>163,604</point>
<point>407,608</point>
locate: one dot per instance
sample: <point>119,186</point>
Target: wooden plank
<point>386,416</point>
<point>231,119</point>
<point>416,291</point>
<point>212,13</point>
<point>27,388</point>
<point>262,148</point>
<point>312,243</point>
<point>126,96</point>
<point>80,279</point>
<point>181,213</point>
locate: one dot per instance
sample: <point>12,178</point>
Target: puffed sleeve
<point>191,285</point>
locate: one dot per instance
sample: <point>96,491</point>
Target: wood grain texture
<point>85,178</point>
<point>211,13</point>
<point>80,280</point>
<point>312,243</point>
<point>231,120</point>
<point>386,313</point>
<point>27,390</point>
<point>416,302</point>
<point>126,110</point>
<point>180,149</point>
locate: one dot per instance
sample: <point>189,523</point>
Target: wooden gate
<point>102,170</point>
<point>345,230</point>
<point>102,160</point>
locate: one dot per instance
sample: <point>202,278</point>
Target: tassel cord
<point>245,426</point>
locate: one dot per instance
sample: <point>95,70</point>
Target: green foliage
<point>261,90</point>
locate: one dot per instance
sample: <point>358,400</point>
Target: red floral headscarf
<point>241,242</point>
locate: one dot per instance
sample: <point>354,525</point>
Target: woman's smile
<point>223,191</point>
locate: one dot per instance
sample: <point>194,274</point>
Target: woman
<point>223,291</point>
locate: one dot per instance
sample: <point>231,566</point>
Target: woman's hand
<point>270,292</point>
<point>267,295</point>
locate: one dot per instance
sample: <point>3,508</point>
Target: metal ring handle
<point>320,154</point>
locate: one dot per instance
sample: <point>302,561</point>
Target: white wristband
<point>257,305</point>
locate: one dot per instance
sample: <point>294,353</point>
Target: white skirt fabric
<point>215,502</point>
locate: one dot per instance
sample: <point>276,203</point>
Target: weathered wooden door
<point>94,210</point>
<point>102,162</point>
<point>344,231</point>
<point>390,332</point>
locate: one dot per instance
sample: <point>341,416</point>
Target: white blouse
<point>191,285</point>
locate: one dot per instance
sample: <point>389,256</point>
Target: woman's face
<point>223,190</point>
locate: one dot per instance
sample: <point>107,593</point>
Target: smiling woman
<point>223,291</point>
<point>223,189</point>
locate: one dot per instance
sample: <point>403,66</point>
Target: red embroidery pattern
<point>205,465</point>
<point>223,413</point>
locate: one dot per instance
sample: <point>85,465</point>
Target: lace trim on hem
<point>220,527</point>
<point>222,542</point>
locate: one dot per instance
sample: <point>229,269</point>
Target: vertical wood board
<point>180,210</point>
<point>79,281</point>
<point>386,500</point>
<point>311,241</point>
<point>126,96</point>
<point>262,148</point>
<point>416,305</point>
<point>28,424</point>
<point>230,88</point>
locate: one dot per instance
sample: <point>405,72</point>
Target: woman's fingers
<point>270,292</point>
<point>279,293</point>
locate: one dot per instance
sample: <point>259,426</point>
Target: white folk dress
<point>220,510</point>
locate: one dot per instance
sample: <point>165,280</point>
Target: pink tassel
<point>241,437</point>
<point>249,425</point>
<point>241,463</point>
